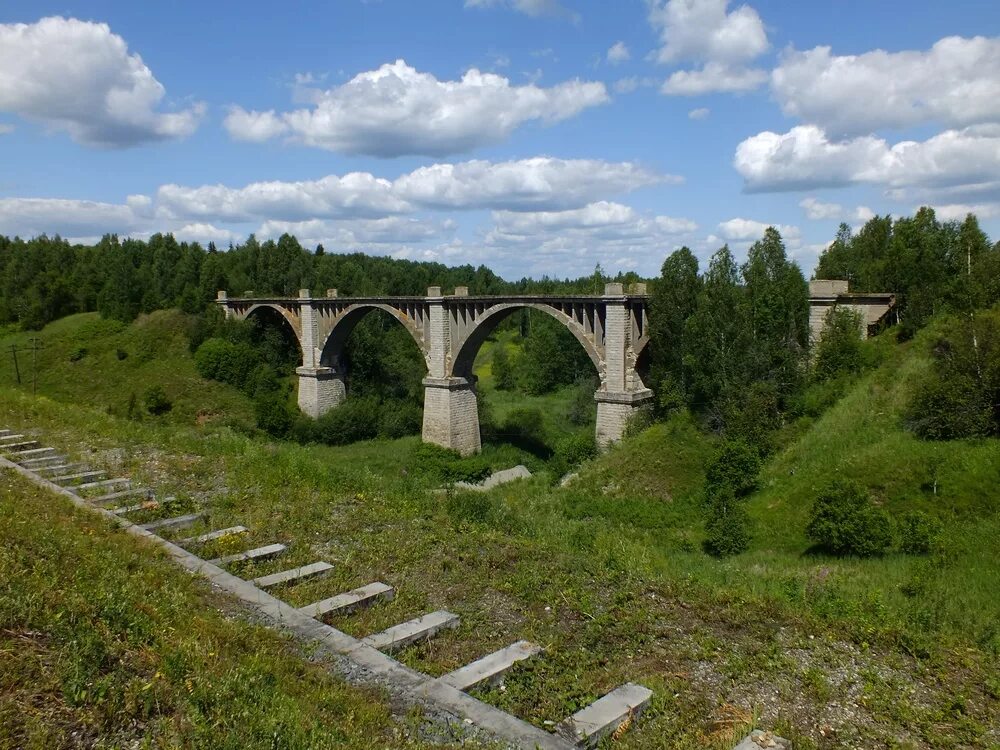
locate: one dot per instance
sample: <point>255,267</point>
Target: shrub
<point>263,380</point>
<point>231,363</point>
<point>641,419</point>
<point>77,354</point>
<point>734,466</point>
<point>753,415</point>
<point>503,371</point>
<point>728,528</point>
<point>945,408</point>
<point>582,408</point>
<point>156,402</point>
<point>355,419</point>
<point>573,450</point>
<point>399,418</point>
<point>839,349</point>
<point>272,414</point>
<point>447,466</point>
<point>844,521</point>
<point>121,354</point>
<point>525,428</point>
<point>918,533</point>
<point>670,396</point>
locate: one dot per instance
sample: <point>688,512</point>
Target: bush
<point>735,466</point>
<point>839,349</point>
<point>156,402</point>
<point>355,419</point>
<point>573,450</point>
<point>77,354</point>
<point>670,396</point>
<point>641,419</point>
<point>844,521</point>
<point>121,354</point>
<point>263,380</point>
<point>728,528</point>
<point>272,414</point>
<point>959,397</point>
<point>399,418</point>
<point>753,415</point>
<point>447,466</point>
<point>946,408</point>
<point>582,408</point>
<point>918,533</point>
<point>225,361</point>
<point>503,370</point>
<point>525,428</point>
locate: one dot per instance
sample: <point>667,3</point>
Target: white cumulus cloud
<point>79,77</point>
<point>618,53</point>
<point>28,217</point>
<point>713,77</point>
<point>536,183</point>
<point>805,157</point>
<point>704,30</point>
<point>722,41</point>
<point>817,210</point>
<point>748,230</point>
<point>955,83</point>
<point>699,114</point>
<point>398,110</point>
<point>554,242</point>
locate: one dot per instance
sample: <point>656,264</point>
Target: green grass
<point>86,359</point>
<point>103,640</point>
<point>608,573</point>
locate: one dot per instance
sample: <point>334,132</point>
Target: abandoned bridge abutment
<point>449,331</point>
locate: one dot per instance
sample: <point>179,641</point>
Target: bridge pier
<point>320,389</point>
<point>451,415</point>
<point>614,411</point>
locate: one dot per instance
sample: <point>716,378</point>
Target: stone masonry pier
<point>449,331</point>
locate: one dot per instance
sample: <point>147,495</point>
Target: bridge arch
<point>467,346</point>
<point>279,315</point>
<point>337,329</point>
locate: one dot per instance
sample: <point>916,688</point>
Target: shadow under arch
<point>465,358</point>
<point>264,315</point>
<point>332,348</point>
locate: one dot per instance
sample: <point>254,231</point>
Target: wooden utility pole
<point>17,370</point>
<point>34,364</point>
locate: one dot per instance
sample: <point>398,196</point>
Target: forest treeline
<point>46,278</point>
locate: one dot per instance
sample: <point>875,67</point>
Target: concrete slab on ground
<point>131,492</point>
<point>491,668</point>
<point>350,601</point>
<point>294,575</point>
<point>760,740</point>
<point>211,536</point>
<point>413,631</point>
<point>125,509</point>
<point>496,478</point>
<point>103,483</point>
<point>177,522</point>
<point>79,476</point>
<point>605,715</point>
<point>260,553</point>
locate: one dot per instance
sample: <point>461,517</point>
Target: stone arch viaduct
<point>449,330</point>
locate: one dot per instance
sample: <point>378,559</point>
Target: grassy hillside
<point>104,363</point>
<point>608,572</point>
<point>105,643</point>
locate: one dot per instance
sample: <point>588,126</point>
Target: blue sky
<point>535,136</point>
